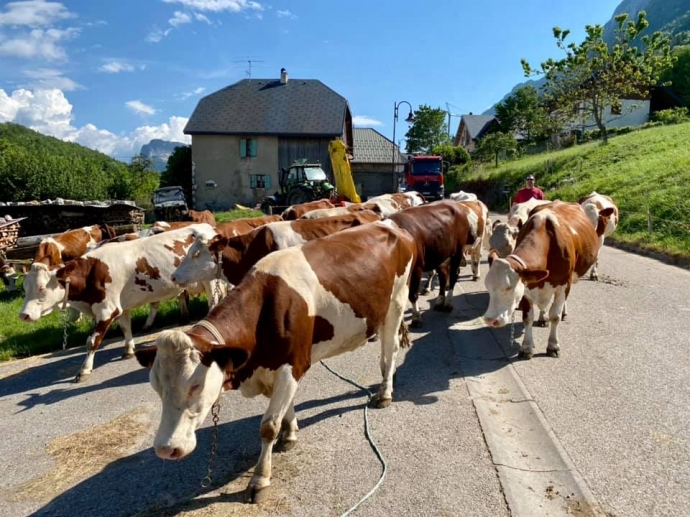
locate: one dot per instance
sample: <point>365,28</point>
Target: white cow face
<point>505,292</point>
<point>188,382</point>
<point>506,287</point>
<point>503,238</point>
<point>43,293</point>
<point>200,264</point>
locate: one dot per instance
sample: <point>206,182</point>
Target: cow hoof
<point>81,377</point>
<point>285,445</point>
<point>552,352</point>
<point>525,355</point>
<point>378,403</point>
<point>475,278</point>
<point>541,323</point>
<point>372,339</point>
<point>563,317</point>
<point>424,291</point>
<point>256,495</point>
<point>416,324</point>
<point>127,355</point>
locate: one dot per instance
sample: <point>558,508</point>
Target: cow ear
<point>229,358</point>
<point>63,274</point>
<point>606,212</point>
<point>532,276</point>
<point>493,255</point>
<point>496,222</point>
<point>146,356</point>
<point>218,243</point>
<point>515,231</point>
<point>519,224</point>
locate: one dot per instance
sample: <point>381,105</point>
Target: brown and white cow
<point>441,231</point>
<point>296,307</point>
<point>296,211</point>
<point>602,212</point>
<point>205,216</point>
<point>56,250</point>
<point>555,248</point>
<point>463,196</point>
<point>504,234</point>
<point>339,210</point>
<point>108,282</point>
<point>238,254</point>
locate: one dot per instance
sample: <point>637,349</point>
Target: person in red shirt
<point>529,191</point>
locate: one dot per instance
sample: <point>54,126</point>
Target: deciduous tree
<point>593,76</point>
<point>428,130</point>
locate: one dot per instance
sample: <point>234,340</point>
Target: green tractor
<point>300,183</point>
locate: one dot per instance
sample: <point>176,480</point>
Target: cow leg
<point>555,312</point>
<point>476,259</point>
<point>541,321</point>
<point>442,272</point>
<point>92,344</point>
<point>183,299</point>
<point>126,325</point>
<point>429,282</point>
<point>288,430</point>
<point>153,310</point>
<point>415,280</point>
<point>390,344</point>
<point>593,272</point>
<point>283,393</point>
<point>527,346</point>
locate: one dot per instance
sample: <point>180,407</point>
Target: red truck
<point>425,175</point>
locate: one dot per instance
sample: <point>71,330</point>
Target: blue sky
<point>114,74</point>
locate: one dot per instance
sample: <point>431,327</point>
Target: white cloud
<point>49,78</point>
<point>219,5</point>
<point>39,43</point>
<point>115,66</point>
<point>49,112</point>
<point>201,18</point>
<point>286,14</point>
<point>140,108</point>
<point>195,91</point>
<point>179,18</point>
<point>157,34</point>
<point>34,13</point>
<point>362,120</point>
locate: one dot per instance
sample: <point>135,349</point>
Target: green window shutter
<point>253,146</point>
<point>267,180</point>
<point>252,181</point>
<point>243,147</point>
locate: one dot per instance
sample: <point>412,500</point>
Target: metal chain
<point>219,271</point>
<point>512,330</point>
<point>215,409</point>
<point>64,329</point>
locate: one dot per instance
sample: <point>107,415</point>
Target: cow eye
<point>196,254</point>
<point>193,390</point>
<point>41,290</point>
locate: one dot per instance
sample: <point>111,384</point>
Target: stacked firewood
<point>9,232</point>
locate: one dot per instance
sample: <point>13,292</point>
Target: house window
<point>248,147</point>
<point>616,108</point>
<point>259,181</point>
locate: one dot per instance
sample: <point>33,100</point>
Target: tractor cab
<point>300,183</point>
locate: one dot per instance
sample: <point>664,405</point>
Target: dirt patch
<point>604,279</point>
<point>80,455</point>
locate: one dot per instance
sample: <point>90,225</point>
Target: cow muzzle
<point>166,452</point>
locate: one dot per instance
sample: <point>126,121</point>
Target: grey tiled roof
<point>267,107</point>
<point>477,124</point>
<point>370,146</point>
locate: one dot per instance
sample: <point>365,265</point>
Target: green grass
<point>19,339</point>
<point>647,173</point>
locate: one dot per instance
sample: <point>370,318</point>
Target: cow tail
<point>404,335</point>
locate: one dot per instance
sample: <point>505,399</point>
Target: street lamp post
<point>410,119</point>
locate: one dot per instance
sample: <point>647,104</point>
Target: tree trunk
<point>597,111</point>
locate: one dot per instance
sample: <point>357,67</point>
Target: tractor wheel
<point>297,196</point>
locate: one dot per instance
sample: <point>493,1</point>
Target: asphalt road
<point>615,403</point>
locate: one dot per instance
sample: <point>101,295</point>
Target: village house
<point>472,128</point>
<point>374,158</point>
<point>243,134</point>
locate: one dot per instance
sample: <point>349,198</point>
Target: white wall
<point>633,113</point>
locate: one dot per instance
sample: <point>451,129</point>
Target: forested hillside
<point>35,166</point>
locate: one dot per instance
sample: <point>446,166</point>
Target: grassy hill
<point>646,172</point>
<point>36,166</point>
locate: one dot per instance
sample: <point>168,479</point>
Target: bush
<point>454,155</point>
<point>671,116</point>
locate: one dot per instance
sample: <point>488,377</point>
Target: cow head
<point>188,373</point>
<point>506,286</point>
<point>604,220</point>
<point>43,292</point>
<point>503,237</point>
<point>200,264</point>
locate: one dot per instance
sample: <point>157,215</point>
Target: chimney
<point>283,76</point>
